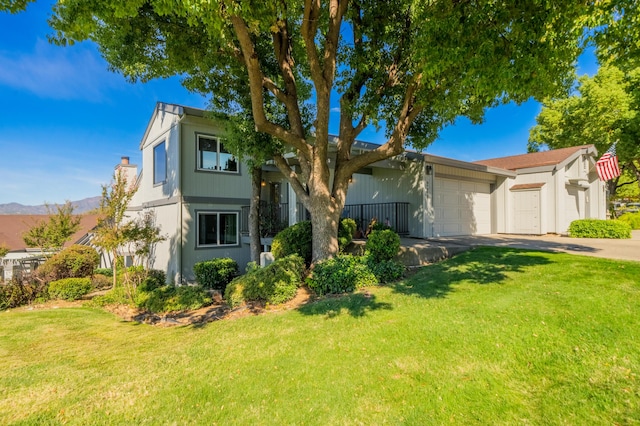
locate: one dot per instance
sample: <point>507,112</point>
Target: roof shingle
<point>534,159</point>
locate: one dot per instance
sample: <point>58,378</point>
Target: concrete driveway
<point>422,251</point>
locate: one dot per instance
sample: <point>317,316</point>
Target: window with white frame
<point>212,155</point>
<point>217,229</point>
<point>159,164</point>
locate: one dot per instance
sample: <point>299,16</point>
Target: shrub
<point>155,278</point>
<point>597,228</point>
<point>346,229</point>
<point>107,272</point>
<point>386,271</point>
<point>632,219</point>
<point>383,245</point>
<point>296,239</point>
<point>17,292</point>
<point>216,273</point>
<point>341,274</point>
<point>275,283</point>
<point>69,288</point>
<point>169,298</point>
<point>75,261</point>
<point>101,282</point>
<point>115,296</point>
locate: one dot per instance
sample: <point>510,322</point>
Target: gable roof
<point>536,159</point>
<point>13,226</point>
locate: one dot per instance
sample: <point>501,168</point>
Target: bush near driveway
<point>597,228</point>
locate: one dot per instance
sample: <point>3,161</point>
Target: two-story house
<point>200,192</point>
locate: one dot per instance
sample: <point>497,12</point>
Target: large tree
<point>604,109</point>
<point>410,66</point>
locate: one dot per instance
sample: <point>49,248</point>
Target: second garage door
<point>461,207</point>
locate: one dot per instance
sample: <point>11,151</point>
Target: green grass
<point>493,336</point>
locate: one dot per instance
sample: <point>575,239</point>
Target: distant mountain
<point>81,206</point>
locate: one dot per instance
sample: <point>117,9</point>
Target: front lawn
<point>493,336</point>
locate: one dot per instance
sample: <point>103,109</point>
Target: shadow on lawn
<point>485,265</point>
<point>356,305</point>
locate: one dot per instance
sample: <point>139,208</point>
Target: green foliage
<point>595,228</point>
<point>341,274</point>
<point>216,273</point>
<point>383,245</point>
<point>386,271</point>
<point>69,288</point>
<point>346,229</point>
<point>100,282</point>
<point>107,272</point>
<point>53,233</point>
<point>632,219</point>
<point>17,292</point>
<point>4,249</point>
<point>275,283</point>
<point>115,296</point>
<point>170,298</point>
<point>296,239</point>
<point>154,278</point>
<point>75,261</point>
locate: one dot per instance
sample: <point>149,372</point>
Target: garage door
<point>461,207</point>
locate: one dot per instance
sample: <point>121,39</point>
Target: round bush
<point>341,274</point>
<point>70,288</point>
<point>383,245</point>
<point>386,271</point>
<point>75,261</point>
<point>296,239</point>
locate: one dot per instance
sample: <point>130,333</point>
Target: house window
<point>212,155</point>
<point>159,164</point>
<point>217,229</point>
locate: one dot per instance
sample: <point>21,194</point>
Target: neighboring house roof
<point>536,159</point>
<point>13,226</point>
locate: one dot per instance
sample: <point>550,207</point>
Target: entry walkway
<point>415,252</point>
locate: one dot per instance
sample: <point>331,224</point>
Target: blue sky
<point>66,120</point>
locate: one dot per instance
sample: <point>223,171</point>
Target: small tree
<point>51,235</point>
<point>111,232</point>
<point>4,249</point>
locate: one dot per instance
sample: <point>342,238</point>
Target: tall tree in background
<point>409,66</point>
<point>604,109</point>
<point>51,234</point>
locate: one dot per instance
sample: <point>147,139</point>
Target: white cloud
<point>55,72</point>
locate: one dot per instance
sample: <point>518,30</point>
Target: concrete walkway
<point>415,252</point>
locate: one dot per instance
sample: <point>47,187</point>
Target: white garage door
<point>461,207</point>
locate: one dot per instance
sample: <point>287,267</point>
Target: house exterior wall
<point>391,186</point>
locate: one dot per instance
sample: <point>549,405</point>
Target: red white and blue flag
<point>607,165</point>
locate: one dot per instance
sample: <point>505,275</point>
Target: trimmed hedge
<point>69,288</point>
<point>597,228</point>
<point>274,284</point>
<point>383,245</point>
<point>216,273</point>
<point>633,219</point>
<point>341,274</point>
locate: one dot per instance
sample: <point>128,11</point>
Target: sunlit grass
<point>493,336</point>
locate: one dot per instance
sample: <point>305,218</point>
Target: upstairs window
<point>217,229</point>
<point>212,155</point>
<point>159,164</point>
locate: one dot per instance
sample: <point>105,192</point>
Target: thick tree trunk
<point>324,222</point>
<point>254,214</point>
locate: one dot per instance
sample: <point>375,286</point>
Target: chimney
<point>129,171</point>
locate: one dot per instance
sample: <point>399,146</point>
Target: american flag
<point>607,165</point>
